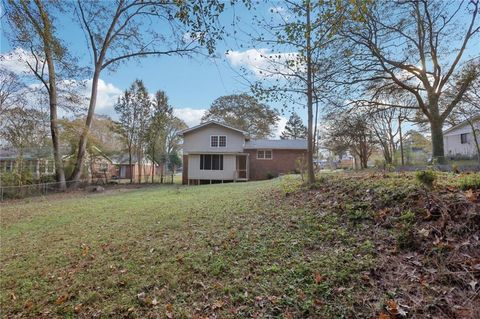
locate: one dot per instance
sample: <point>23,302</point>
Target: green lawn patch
<point>258,249</point>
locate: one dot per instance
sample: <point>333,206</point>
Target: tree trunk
<point>401,140</point>
<point>57,156</point>
<point>153,163</point>
<point>82,144</point>
<point>130,164</point>
<point>52,95</point>
<point>310,171</point>
<point>475,138</point>
<point>437,140</point>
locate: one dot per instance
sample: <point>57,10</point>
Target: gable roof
<point>277,144</point>
<point>194,128</point>
<point>474,119</point>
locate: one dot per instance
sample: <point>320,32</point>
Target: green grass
<point>256,249</point>
<point>229,249</point>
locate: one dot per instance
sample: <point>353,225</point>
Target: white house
<point>215,152</point>
<point>458,141</point>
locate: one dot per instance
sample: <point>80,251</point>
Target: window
<point>214,141</point>
<point>211,162</point>
<point>463,138</point>
<point>222,141</point>
<point>264,154</point>
<point>218,141</point>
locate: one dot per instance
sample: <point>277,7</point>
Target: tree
<point>294,129</point>
<point>11,88</point>
<point>162,113</point>
<point>128,29</point>
<point>414,46</point>
<point>468,110</point>
<point>350,131</point>
<point>32,26</point>
<point>387,126</point>
<point>244,112</point>
<point>133,109</point>
<point>23,129</point>
<point>296,66</point>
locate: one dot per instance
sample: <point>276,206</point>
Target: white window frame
<point>263,151</point>
<point>466,138</point>
<point>218,141</point>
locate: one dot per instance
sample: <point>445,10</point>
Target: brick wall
<point>283,162</point>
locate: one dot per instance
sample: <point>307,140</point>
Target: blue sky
<point>192,84</point>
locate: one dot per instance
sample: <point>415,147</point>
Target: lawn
<point>259,249</point>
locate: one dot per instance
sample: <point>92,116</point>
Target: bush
<point>17,179</point>
<point>426,178</point>
<point>455,169</point>
<point>271,175</point>
<point>470,182</point>
<point>290,184</point>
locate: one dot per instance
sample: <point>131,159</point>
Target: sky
<point>192,84</point>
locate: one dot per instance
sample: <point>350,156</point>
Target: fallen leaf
<point>85,250</point>
<point>61,299</point>
<point>28,305</point>
<point>217,304</point>
<point>392,307</point>
<point>471,196</point>
<point>383,315</point>
<point>13,296</point>
<point>78,308</point>
<point>318,278</point>
<point>169,311</point>
<point>472,284</point>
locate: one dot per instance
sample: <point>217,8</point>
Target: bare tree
<point>417,46</point>
<point>296,66</point>
<point>11,88</point>
<point>130,29</point>
<point>350,131</point>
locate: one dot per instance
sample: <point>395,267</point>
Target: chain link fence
<point>42,189</point>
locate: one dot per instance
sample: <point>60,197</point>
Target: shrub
<point>426,178</point>
<point>455,169</point>
<point>470,182</point>
<point>271,175</point>
<point>290,184</point>
<point>406,230</point>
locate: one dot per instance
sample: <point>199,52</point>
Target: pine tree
<point>294,129</point>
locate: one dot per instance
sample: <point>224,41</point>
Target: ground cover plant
<point>354,246</point>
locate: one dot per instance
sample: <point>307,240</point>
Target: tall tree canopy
<point>294,129</point>
<point>244,112</point>
<point>418,47</point>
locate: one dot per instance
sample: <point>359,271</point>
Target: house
<point>214,152</point>
<point>37,161</point>
<point>124,170</point>
<point>459,141</point>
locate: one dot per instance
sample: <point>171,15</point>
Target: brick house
<point>215,153</point>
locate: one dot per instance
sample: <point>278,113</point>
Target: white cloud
<point>189,115</point>
<point>264,63</point>
<point>16,61</point>
<point>281,126</point>
<point>107,96</point>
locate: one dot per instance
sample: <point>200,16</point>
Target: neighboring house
<point>215,152</point>
<point>36,161</point>
<point>124,170</point>
<point>459,142</point>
